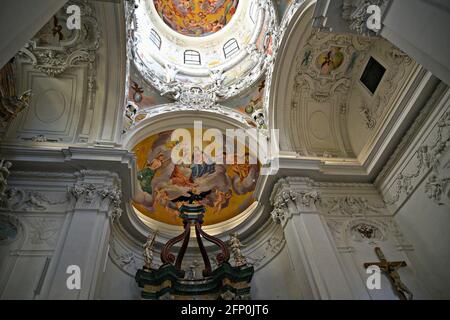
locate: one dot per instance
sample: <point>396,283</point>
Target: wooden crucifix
<point>390,269</point>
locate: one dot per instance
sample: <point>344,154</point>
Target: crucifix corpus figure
<point>390,269</point>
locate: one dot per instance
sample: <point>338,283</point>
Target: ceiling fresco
<point>196,18</point>
<point>227,190</point>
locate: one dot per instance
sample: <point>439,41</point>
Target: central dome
<point>225,54</point>
<point>196,18</point>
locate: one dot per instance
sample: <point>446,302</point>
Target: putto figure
<point>235,246</point>
<point>148,251</point>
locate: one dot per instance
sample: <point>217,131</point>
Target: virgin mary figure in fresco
<point>163,182</point>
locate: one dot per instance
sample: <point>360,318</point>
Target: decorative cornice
<point>296,195</point>
<point>147,114</point>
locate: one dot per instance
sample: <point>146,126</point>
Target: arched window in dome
<point>192,57</point>
<point>230,48</point>
<point>253,12</point>
<point>155,38</point>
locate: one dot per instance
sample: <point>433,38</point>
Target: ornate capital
<point>293,196</point>
<point>98,190</point>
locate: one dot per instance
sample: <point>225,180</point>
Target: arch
<point>230,48</point>
<point>169,117</point>
<point>192,57</point>
<point>155,38</point>
<point>253,12</point>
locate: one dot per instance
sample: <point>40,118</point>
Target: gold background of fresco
<point>196,18</point>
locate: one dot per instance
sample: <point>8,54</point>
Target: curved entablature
<point>227,116</point>
<point>224,63</point>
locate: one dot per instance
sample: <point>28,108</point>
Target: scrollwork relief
<point>19,199</point>
<point>269,248</point>
<point>366,232</point>
<point>53,56</point>
<point>348,232</point>
<point>435,188</point>
<point>398,65</point>
<point>351,206</point>
<point>323,82</point>
<point>427,159</point>
<point>43,231</point>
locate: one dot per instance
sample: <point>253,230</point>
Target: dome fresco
<point>196,18</point>
<point>227,188</point>
<point>172,62</point>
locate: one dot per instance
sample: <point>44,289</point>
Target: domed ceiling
<point>218,47</point>
<point>196,18</point>
<point>163,186</point>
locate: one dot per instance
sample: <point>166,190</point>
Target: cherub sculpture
<point>235,246</point>
<point>148,251</point>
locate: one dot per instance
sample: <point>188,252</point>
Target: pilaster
<point>96,198</point>
<point>308,240</point>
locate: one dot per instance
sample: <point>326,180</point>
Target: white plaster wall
<point>276,280</point>
<point>420,28</point>
<point>357,275</point>
<point>425,221</point>
<point>426,224</point>
<point>115,284</point>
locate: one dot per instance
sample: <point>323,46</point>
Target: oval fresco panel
<point>226,190</point>
<point>196,18</point>
<point>330,60</point>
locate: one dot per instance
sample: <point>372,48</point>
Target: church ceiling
<point>220,65</point>
<point>323,78</point>
<point>196,18</point>
<point>328,114</point>
<point>332,114</point>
